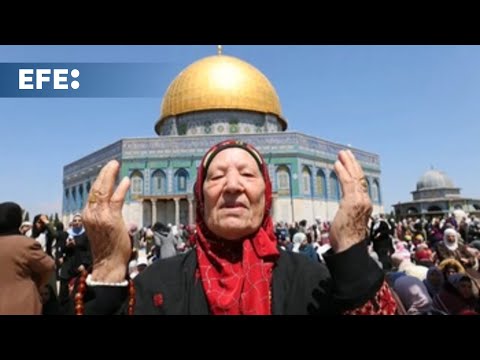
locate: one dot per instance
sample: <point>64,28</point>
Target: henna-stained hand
<point>105,227</point>
<point>349,226</point>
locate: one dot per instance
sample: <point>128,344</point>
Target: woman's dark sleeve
<point>359,285</point>
<point>100,300</point>
<point>108,300</point>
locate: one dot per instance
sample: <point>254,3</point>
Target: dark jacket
<point>76,255</point>
<point>300,286</point>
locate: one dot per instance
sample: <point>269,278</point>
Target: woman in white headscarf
<point>449,248</point>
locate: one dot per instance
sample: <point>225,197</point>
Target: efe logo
<point>27,78</point>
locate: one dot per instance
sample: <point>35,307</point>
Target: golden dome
<point>220,82</point>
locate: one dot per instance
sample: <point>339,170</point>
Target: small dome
<point>434,179</point>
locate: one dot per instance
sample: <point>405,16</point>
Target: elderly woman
<point>236,266</point>
<point>451,249</point>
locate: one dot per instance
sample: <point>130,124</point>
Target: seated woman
<point>423,255</point>
<point>414,296</point>
<point>457,297</point>
<point>434,281</point>
<point>451,249</point>
<point>449,267</point>
<point>236,266</point>
<point>401,261</point>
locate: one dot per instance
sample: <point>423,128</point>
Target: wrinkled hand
<point>349,226</point>
<point>105,227</point>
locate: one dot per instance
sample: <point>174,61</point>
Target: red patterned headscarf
<point>236,275</point>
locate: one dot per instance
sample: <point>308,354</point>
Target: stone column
<point>190,210</point>
<point>177,211</point>
<point>154,210</point>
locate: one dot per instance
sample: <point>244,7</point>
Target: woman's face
<point>77,222</point>
<point>451,238</point>
<point>45,294</point>
<point>39,225</point>
<point>450,271</point>
<point>234,194</point>
<point>465,289</point>
<point>435,278</point>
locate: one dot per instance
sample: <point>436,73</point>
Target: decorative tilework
<point>266,143</point>
<point>90,163</point>
<point>233,127</point>
<point>293,148</point>
<point>271,173</point>
<point>146,180</point>
<point>170,180</point>
<point>209,122</point>
<point>208,127</point>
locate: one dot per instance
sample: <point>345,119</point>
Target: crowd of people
<point>430,264</point>
<point>56,257</point>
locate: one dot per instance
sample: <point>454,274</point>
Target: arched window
<point>181,180</point>
<point>89,186</point>
<point>159,182</point>
<point>413,210</point>
<point>283,180</point>
<point>67,200</point>
<point>137,182</point>
<point>306,180</point>
<point>321,184</point>
<point>334,186</point>
<point>74,198</point>
<point>80,193</point>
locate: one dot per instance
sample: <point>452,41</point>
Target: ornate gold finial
<point>219,49</point>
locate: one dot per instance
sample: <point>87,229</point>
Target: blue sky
<point>415,106</point>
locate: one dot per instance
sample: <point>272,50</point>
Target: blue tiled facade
<point>306,160</point>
